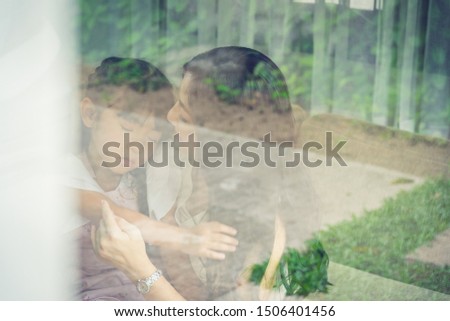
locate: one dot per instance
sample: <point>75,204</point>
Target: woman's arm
<point>121,244</point>
<point>208,240</point>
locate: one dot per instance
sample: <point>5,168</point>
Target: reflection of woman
<point>241,92</point>
<point>238,95</point>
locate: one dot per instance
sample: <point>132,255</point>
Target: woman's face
<point>181,115</point>
<point>113,128</point>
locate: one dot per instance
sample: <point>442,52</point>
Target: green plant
<point>300,273</point>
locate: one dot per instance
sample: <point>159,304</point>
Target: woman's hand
<point>121,244</point>
<point>210,240</point>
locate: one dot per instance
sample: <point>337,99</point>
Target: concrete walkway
<point>347,191</point>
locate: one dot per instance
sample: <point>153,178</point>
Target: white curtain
<point>37,85</point>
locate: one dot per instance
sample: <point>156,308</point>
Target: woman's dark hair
<point>135,74</point>
<point>238,73</point>
<point>138,75</point>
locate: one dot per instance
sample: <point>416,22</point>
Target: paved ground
<point>313,199</point>
<point>347,191</point>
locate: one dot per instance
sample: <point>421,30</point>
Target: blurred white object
<point>37,86</point>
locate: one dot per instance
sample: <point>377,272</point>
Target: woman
<point>123,100</point>
<point>231,95</point>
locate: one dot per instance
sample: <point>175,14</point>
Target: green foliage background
<point>332,55</point>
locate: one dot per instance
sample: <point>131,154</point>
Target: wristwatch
<point>144,285</point>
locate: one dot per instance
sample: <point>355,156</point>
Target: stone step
<point>436,252</point>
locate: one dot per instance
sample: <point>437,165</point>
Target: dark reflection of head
<point>240,91</point>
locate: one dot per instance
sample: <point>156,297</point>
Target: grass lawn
<point>379,241</point>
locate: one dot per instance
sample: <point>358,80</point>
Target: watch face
<point>142,287</point>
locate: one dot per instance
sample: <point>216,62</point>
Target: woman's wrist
<point>176,238</point>
<point>141,271</point>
